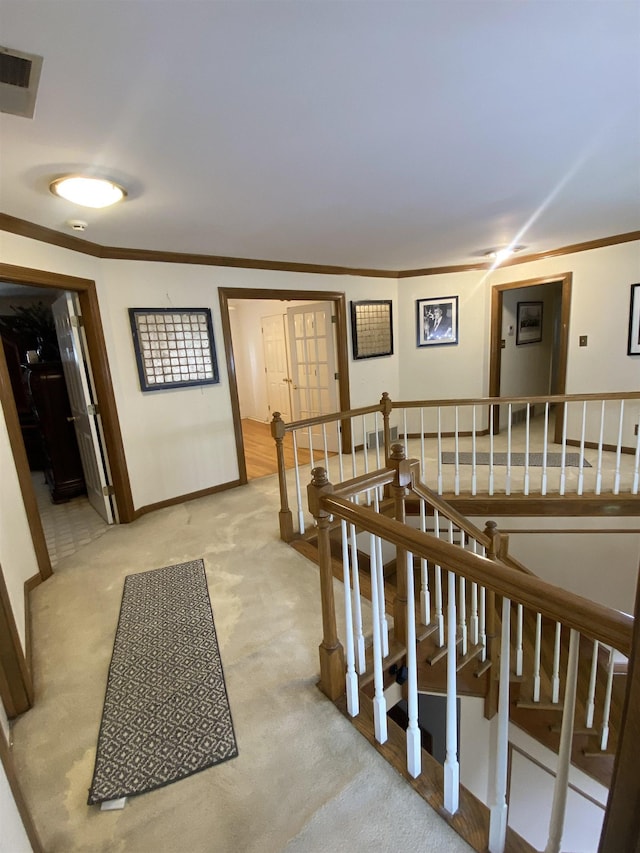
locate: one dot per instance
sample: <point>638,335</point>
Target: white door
<point>313,366</point>
<point>276,366</point>
<point>83,409</point>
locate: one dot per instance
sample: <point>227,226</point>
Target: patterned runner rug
<point>554,460</point>
<point>166,712</point>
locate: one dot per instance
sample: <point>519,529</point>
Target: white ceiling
<point>391,134</point>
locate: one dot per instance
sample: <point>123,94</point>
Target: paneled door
<point>313,367</point>
<point>84,411</point>
<point>276,365</point>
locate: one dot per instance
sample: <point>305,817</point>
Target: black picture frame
<point>372,328</point>
<point>437,321</point>
<point>174,347</point>
<point>529,323</point>
<point>633,345</point>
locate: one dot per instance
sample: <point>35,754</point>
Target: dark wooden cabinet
<point>50,403</point>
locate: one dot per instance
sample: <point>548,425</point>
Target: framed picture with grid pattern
<point>371,328</point>
<point>174,347</point>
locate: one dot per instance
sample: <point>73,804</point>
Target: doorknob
<point>73,418</point>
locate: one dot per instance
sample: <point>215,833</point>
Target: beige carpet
<point>304,781</point>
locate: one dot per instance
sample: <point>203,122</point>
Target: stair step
<point>484,667</point>
<point>473,653</point>
<point>543,704</point>
<point>424,631</point>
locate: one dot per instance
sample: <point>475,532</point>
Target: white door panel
<point>276,366</point>
<point>85,421</point>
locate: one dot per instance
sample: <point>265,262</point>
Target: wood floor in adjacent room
<point>260,450</point>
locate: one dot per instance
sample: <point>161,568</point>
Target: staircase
<point>449,613</point>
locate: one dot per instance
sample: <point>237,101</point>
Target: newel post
<point>332,669</point>
<point>399,492</point>
<point>494,552</point>
<point>386,407</point>
<point>285,517</point>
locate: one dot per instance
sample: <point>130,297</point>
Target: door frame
<point>495,352</point>
<point>97,350</point>
<point>340,306</point>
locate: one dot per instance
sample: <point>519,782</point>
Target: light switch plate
<point>583,340</point>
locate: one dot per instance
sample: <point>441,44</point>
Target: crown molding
<point>66,241</point>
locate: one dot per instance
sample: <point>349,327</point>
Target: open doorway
<point>286,351</point>
<point>523,363</point>
<point>54,396</point>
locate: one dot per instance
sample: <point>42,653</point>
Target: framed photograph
<point>174,347</point>
<point>529,323</point>
<point>371,328</point>
<point>437,321</point>
<point>634,321</point>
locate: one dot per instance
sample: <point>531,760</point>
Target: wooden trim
<point>621,828</point>
<point>592,619</point>
<point>593,445</point>
<point>571,249</point>
<point>24,228</point>
<point>550,505</point>
<point>29,585</point>
<point>461,434</point>
<point>16,790</point>
<point>252,293</point>
<point>22,469</point>
<point>16,687</point>
<point>86,290</point>
<point>180,499</point>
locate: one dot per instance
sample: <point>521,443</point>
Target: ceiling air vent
<point>19,78</point>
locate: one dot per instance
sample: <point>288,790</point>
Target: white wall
<point>13,838</point>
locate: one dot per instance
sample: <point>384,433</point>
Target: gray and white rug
<point>166,711</point>
<point>536,460</point>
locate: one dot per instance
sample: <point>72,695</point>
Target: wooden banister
<point>461,521</point>
<point>495,401</point>
<point>593,620</point>
<point>330,418</point>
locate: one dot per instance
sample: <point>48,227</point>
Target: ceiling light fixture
<point>500,255</point>
<point>88,192</point>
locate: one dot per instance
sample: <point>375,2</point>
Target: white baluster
<point>340,462</point>
<point>616,479</point>
<point>563,455</point>
<point>354,464</point>
<point>462,607</point>
<point>366,454</point>
<point>384,624</point>
<point>357,601</point>
<point>483,623</point>
<point>351,679</point>
<point>379,701</point>
<point>474,475</point>
<point>498,806</point>
<point>527,437</point>
<point>473,621</point>
<point>555,679</point>
<point>519,640</point>
<point>582,438</point>
<point>508,476</point>
<point>456,481</point>
<point>437,573</point>
<point>600,445</point>
<point>606,712</point>
<point>414,748</point>
<point>561,786</point>
<point>545,446</point>
<point>423,460</point>
<point>491,472</point>
<point>440,489</point>
<point>406,433</point>
<point>451,765</point>
<point>296,469</point>
<point>536,659</point>
<point>425,595</point>
<point>325,447</point>
<point>311,458</point>
<point>591,696</point>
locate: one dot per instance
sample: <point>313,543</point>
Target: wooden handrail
<point>349,488</point>
<point>461,521</point>
<point>593,620</point>
<point>333,416</point>
<point>496,401</point>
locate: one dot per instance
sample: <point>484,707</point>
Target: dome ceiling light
<point>88,192</point>
<point>498,255</point>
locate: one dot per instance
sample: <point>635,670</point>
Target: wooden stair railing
<point>468,577</point>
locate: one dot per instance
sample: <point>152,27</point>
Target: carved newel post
<point>332,668</point>
<point>285,517</point>
<point>386,407</point>
<point>399,491</point>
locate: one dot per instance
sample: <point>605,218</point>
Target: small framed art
<point>529,323</point>
<point>372,328</point>
<point>633,347</point>
<point>437,321</point>
<point>174,347</point>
